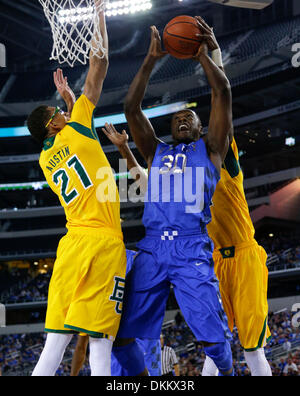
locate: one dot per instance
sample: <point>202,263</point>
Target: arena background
<point>260,55</point>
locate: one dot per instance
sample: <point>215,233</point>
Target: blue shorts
<point>152,355</point>
<point>185,261</point>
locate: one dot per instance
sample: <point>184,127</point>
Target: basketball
<point>180,37</point>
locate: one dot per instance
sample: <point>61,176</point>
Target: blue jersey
<point>181,185</point>
<point>176,249</point>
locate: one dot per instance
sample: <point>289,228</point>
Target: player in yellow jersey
<point>240,263</point>
<point>240,266</point>
<point>87,285</point>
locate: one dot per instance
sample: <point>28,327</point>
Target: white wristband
<point>216,56</point>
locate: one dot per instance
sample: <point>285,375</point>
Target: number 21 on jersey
<point>62,177</point>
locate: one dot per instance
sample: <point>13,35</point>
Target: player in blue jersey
<point>182,180</point>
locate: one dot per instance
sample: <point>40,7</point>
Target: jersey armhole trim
<point>93,129</point>
<point>231,164</point>
<point>83,130</point>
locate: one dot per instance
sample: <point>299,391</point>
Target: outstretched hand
<point>61,82</point>
<point>208,39</point>
<point>155,49</point>
<point>118,139</point>
<point>63,89</point>
<point>207,34</point>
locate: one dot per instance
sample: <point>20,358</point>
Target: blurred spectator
<point>290,368</point>
<point>28,289</point>
<point>20,352</point>
<point>286,346</point>
<point>281,365</point>
<point>18,286</point>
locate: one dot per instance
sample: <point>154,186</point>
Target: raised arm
<point>98,66</point>
<point>220,122</point>
<point>140,127</point>
<point>120,140</point>
<point>64,90</point>
<point>216,53</point>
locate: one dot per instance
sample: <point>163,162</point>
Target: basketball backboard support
<point>2,55</point>
<point>254,4</point>
<point>2,315</point>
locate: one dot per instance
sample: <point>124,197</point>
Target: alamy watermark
<point>173,182</point>
<point>296,317</point>
<point>296,57</point>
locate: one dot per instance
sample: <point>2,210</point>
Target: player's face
<point>186,127</point>
<point>58,117</point>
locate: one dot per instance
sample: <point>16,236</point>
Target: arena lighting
<point>75,14</point>
<point>125,7</point>
<point>113,8</point>
<point>290,141</point>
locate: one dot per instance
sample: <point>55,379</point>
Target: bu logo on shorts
<point>118,293</point>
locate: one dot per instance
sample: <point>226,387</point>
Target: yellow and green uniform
<point>87,285</point>
<point>240,263</point>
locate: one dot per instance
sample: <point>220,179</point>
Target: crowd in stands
<point>284,250</point>
<point>11,280</point>
<point>20,352</point>
<point>28,290</point>
<point>282,241</point>
<point>283,350</point>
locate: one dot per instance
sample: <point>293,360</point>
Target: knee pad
<point>131,358</point>
<point>221,354</point>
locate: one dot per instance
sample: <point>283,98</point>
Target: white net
<point>74,23</point>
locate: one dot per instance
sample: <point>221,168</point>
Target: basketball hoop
<point>73,24</point>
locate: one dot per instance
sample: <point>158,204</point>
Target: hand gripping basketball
<point>207,34</point>
<point>182,37</point>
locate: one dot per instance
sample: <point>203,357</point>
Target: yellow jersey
<point>231,222</point>
<point>78,171</point>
